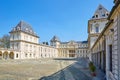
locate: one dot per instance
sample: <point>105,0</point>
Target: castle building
<point>106,48</point>
<point>24,44</point>
<point>102,47</point>
<point>71,48</point>
<point>96,25</point>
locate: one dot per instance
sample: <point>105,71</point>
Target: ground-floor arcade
<point>99,60</point>
<point>8,55</point>
<point>72,52</point>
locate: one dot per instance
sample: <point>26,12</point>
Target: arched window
<point>97,28</point>
<point>96,16</point>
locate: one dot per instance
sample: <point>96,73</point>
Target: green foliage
<point>92,67</point>
<point>5,41</point>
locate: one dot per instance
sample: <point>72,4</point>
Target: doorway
<point>110,58</point>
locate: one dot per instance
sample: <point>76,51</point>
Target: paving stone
<point>47,69</point>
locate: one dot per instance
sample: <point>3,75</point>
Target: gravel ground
<point>30,69</point>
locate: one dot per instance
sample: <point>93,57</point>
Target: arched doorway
<point>5,55</point>
<point>11,55</point>
<point>1,55</point>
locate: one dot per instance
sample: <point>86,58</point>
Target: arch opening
<point>1,55</point>
<point>11,55</point>
<point>5,55</point>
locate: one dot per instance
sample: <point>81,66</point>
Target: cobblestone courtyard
<point>30,69</point>
<point>46,69</point>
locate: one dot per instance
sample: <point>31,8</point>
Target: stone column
<point>107,59</point>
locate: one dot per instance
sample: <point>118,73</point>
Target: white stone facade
<point>71,48</point>
<point>97,24</point>
<point>105,51</point>
<point>24,44</point>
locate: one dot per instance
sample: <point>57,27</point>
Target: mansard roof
<point>82,42</point>
<point>101,12</point>
<point>55,39</point>
<point>24,27</point>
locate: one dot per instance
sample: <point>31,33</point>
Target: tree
<point>1,44</point>
<point>5,41</point>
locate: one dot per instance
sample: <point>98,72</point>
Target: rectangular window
<point>26,55</point>
<point>91,27</point>
<point>30,55</point>
<point>16,55</point>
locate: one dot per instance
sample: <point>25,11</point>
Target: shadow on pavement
<point>71,72</point>
<point>66,59</point>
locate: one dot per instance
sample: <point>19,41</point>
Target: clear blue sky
<point>65,18</point>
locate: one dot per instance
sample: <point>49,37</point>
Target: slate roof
<point>82,42</point>
<point>54,39</point>
<point>24,27</point>
<point>101,12</point>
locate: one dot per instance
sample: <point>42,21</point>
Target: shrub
<point>92,67</point>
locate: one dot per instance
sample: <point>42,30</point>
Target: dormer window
<point>107,14</point>
<point>96,16</point>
